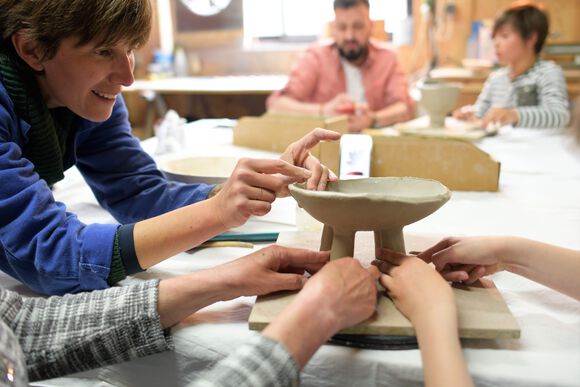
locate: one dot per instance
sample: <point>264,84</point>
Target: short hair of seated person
<point>527,19</point>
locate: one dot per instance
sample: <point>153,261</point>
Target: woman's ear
<point>27,50</point>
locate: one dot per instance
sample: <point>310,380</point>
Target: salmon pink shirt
<point>318,77</point>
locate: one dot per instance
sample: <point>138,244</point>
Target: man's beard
<point>353,55</point>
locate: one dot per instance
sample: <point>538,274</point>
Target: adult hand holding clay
<point>250,190</point>
<point>341,294</point>
<point>75,72</point>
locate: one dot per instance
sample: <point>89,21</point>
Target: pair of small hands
<point>463,260</point>
<point>256,183</point>
<point>494,116</point>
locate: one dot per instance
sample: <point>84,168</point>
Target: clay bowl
<point>383,205</point>
<point>438,99</point>
<point>209,170</point>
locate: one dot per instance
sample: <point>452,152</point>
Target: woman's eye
<point>104,52</point>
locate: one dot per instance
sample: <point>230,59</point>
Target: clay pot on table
<point>438,99</point>
<point>383,205</point>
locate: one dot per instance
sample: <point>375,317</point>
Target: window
<point>305,20</point>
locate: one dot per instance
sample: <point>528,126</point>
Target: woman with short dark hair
<point>63,64</point>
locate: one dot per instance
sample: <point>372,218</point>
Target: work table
<point>538,198</point>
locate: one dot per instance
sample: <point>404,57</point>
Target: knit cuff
<point>127,246</point>
<point>117,272</point>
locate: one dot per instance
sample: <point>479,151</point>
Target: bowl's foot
<point>390,239</point>
<point>326,239</point>
<point>339,242</point>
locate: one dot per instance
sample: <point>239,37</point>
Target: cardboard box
<point>274,132</point>
<point>458,164</point>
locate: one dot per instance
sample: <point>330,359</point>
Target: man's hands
<point>359,115</point>
<point>361,119</point>
<point>341,104</point>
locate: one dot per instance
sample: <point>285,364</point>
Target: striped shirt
<point>539,95</point>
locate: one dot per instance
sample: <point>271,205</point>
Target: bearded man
<point>353,74</point>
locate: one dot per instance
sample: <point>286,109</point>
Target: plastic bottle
<point>180,63</point>
<point>473,41</point>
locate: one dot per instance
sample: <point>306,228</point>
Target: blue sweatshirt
<point>50,249</point>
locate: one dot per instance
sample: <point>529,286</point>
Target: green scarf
<point>48,129</point>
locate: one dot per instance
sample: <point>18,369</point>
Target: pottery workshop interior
<point>290,192</point>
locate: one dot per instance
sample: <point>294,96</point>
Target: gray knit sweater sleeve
<point>260,362</point>
<point>62,335</point>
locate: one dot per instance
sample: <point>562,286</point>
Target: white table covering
<point>539,198</point>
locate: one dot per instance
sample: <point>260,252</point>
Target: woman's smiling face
<point>87,79</point>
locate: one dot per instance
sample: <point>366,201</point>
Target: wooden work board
<point>482,310</point>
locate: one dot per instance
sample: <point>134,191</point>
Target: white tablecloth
<point>539,198</point>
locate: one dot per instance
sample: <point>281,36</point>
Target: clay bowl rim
<point>168,167</point>
<point>444,195</point>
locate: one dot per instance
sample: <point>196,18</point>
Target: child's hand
<point>465,113</point>
<point>417,290</point>
<point>500,116</point>
<point>466,259</point>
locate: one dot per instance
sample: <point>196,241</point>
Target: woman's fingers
<point>273,166</point>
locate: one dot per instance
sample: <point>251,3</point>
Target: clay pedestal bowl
<point>383,205</point>
<point>438,99</point>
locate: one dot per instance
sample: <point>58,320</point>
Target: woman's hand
<point>298,154</point>
<point>252,187</point>
<point>271,269</point>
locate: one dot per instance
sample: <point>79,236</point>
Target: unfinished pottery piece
<point>383,204</point>
<point>438,99</point>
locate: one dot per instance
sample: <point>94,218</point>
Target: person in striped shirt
<point>528,92</point>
